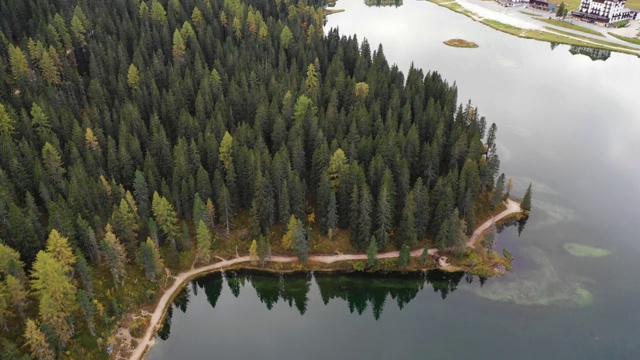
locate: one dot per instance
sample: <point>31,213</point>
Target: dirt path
<point>512,207</point>
<point>181,279</point>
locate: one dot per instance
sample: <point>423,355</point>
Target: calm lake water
<point>568,124</point>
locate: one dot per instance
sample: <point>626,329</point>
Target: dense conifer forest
<point>133,132</point>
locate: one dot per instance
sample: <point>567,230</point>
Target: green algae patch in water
<point>583,297</point>
<point>539,286</point>
<point>580,250</point>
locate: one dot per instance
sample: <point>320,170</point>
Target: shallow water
<point>566,123</point>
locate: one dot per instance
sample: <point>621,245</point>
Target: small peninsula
<point>460,43</point>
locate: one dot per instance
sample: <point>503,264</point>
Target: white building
<point>604,11</point>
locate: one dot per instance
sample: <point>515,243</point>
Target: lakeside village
<point>601,12</point>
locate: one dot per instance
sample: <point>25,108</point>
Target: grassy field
<point>567,25</point>
<point>627,39</point>
<point>571,4</point>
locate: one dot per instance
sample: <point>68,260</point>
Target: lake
<point>567,123</point>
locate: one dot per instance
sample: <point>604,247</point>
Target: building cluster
<point>604,12</point>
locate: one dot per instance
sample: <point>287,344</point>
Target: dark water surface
<point>567,123</point>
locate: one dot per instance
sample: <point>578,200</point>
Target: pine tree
<point>37,342</point>
<point>364,218</point>
<point>205,241</point>
<point>125,226</point>
<point>133,77</point>
<point>197,18</point>
<point>489,239</point>
<point>372,252</point>
<point>150,261</point>
<point>263,195</point>
<point>49,68</point>
<point>296,195</point>
<point>264,250</point>
<point>422,209</point>
<point>287,238</point>
<point>210,215</point>
<point>445,233</point>
<point>284,207</point>
<point>85,272</point>
<point>322,201</point>
<point>354,216</point>
<point>53,164</point>
<point>338,166</point>
<point>403,259</point>
<point>19,65</point>
<point>17,295</point>
<point>226,210</point>
<point>56,295</point>
<point>407,231</point>
<point>58,246</point>
<point>166,216</point>
<point>498,192</point>
<point>179,48</point>
<point>300,242</point>
<point>40,121</point>
<point>79,30</point>
<point>460,241</point>
<point>88,310</point>
<point>199,210</point>
<point>115,257</point>
<point>253,252</point>
<point>526,200</point>
<point>6,123</point>
<point>425,255</point>
<point>332,216</point>
<point>225,150</point>
<point>141,192</point>
<point>286,37</point>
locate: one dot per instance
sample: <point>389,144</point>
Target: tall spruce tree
<point>526,200</point>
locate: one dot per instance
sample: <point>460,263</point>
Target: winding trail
<point>145,343</point>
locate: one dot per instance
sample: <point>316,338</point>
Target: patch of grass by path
<point>621,24</point>
<point>567,25</point>
<point>530,13</point>
<point>571,4</point>
<point>627,39</point>
<point>633,4</point>
<point>461,43</point>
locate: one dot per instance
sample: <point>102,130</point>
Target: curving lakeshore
<point>183,278</point>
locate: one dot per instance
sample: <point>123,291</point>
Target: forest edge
<point>181,280</point>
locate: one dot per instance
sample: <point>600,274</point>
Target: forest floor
<point>143,344</point>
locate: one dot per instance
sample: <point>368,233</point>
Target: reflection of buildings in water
<point>396,3</point>
<point>594,54</point>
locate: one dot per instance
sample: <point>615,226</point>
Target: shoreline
<point>535,32</point>
<point>145,342</point>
